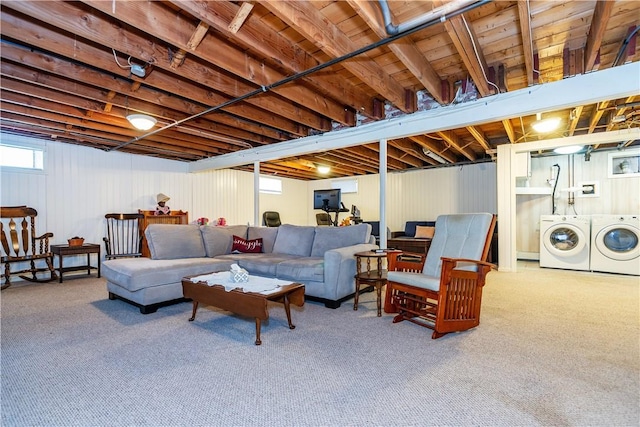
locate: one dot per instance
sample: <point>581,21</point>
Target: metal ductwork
<point>438,13</point>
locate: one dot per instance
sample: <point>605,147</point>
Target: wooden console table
<point>65,250</point>
<point>417,246</point>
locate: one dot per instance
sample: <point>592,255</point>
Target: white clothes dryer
<point>615,244</point>
<point>565,241</point>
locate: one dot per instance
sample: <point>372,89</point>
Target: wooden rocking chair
<point>21,245</point>
<point>443,290</point>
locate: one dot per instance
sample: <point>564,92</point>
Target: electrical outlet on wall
<point>588,189</point>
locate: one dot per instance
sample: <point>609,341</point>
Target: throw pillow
<point>241,245</point>
<point>424,232</point>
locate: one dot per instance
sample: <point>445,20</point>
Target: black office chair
<point>271,219</point>
<point>323,219</point>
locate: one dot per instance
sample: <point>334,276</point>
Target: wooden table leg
<point>379,291</point>
<point>193,313</point>
<point>258,341</point>
<point>287,310</point>
<point>355,296</point>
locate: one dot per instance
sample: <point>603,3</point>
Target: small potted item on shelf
<point>76,241</point>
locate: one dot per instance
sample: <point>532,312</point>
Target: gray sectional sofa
<point>321,258</point>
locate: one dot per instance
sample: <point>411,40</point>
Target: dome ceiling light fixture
<point>322,169</point>
<point>545,125</point>
<point>141,121</point>
<point>568,149</point>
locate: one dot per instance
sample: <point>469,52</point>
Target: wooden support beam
<point>479,137</point>
<point>468,48</point>
<point>511,133</point>
<point>527,41</point>
<point>108,105</point>
<point>178,58</point>
<point>407,52</point>
<point>258,37</point>
<point>572,62</point>
<point>454,141</point>
<point>155,19</point>
<point>198,35</point>
<point>596,115</point>
<point>574,118</point>
<point>241,16</point>
<point>599,21</point>
<point>303,17</point>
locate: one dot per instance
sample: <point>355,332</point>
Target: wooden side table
<point>368,277</point>
<point>65,250</point>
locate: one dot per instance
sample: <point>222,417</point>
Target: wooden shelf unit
<point>175,217</point>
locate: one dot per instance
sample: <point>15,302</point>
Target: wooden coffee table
<point>248,304</point>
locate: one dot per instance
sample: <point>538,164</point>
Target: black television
<point>327,200</point>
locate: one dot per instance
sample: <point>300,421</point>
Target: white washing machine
<point>565,241</point>
<point>615,244</point>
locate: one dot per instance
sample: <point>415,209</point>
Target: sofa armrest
<point>340,269</point>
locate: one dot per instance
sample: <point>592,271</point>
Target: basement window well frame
<point>22,157</point>
<point>270,185</point>
<point>345,186</point>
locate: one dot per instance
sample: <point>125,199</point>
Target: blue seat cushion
<point>418,280</point>
<point>302,269</point>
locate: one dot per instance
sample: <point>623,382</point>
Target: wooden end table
<point>369,277</point>
<point>66,250</point>
<point>248,304</point>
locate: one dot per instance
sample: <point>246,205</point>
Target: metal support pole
<point>383,193</point>
<point>256,194</point>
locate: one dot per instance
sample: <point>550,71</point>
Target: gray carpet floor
<point>554,348</point>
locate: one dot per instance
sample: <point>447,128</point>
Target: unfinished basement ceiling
<point>225,76</point>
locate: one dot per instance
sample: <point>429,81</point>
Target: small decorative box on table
<point>76,249</point>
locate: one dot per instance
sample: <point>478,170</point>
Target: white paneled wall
<point>291,204</point>
<point>423,194</point>
<point>80,185</point>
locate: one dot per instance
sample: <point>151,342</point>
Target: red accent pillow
<point>241,245</point>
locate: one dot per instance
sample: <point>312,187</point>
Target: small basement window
<point>21,157</point>
<point>270,185</point>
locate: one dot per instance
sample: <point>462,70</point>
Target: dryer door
<point>564,240</point>
<point>619,242</point>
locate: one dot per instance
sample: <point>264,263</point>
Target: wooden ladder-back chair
<point>443,290</point>
<point>21,245</point>
<point>124,236</point>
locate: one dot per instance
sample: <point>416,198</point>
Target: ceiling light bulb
<point>323,169</point>
<point>546,125</point>
<point>141,121</point>
<point>568,149</point>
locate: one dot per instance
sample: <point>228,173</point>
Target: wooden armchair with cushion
<point>443,290</point>
<point>21,245</point>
